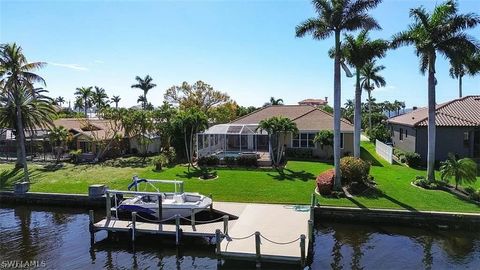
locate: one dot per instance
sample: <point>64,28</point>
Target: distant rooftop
<point>461,112</point>
<point>314,101</point>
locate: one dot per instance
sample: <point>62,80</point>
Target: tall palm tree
<point>99,98</point>
<point>357,52</point>
<point>369,79</point>
<point>144,84</point>
<point>441,32</point>
<point>335,17</point>
<point>84,94</point>
<point>466,64</point>
<point>17,76</point>
<point>116,100</point>
<point>59,101</point>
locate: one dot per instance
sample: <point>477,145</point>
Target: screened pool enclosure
<point>232,140</point>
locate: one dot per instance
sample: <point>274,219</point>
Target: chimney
<point>326,99</point>
<point>414,108</point>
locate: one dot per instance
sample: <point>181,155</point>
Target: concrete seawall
<point>448,220</point>
<point>54,199</point>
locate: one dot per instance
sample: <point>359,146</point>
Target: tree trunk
<point>337,113</point>
<point>85,108</point>
<point>21,138</point>
<point>460,86</point>
<point>270,149</point>
<point>278,150</point>
<point>357,116</point>
<point>369,109</point>
<point>431,118</point>
<point>186,145</point>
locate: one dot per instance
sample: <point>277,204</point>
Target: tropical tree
<point>116,100</point>
<point>440,32</point>
<point>145,84</point>
<point>190,122</point>
<point>275,127</point>
<point>58,136</point>
<point>357,52</point>
<point>465,64</point>
<point>59,101</point>
<point>462,170</point>
<point>335,17</point>
<point>274,101</point>
<point>99,98</point>
<point>324,138</point>
<point>17,77</point>
<point>84,98</point>
<point>369,79</point>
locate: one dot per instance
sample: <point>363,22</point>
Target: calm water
<point>60,238</point>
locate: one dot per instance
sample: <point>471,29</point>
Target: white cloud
<point>70,66</point>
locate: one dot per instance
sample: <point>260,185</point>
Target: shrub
<point>208,161</point>
<point>230,161</point>
<point>421,181</point>
<point>170,154</point>
<point>325,182</point>
<point>306,153</point>
<point>354,170</point>
<point>412,159</point>
<point>379,132</point>
<point>160,161</point>
<point>473,194</point>
<point>247,161</point>
<point>74,154</point>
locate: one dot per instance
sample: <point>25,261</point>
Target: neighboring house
<point>242,135</point>
<point>153,145</point>
<point>314,102</point>
<point>458,129</point>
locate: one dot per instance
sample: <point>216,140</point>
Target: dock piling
<point>225,224</point>
<point>313,201</point>
<point>160,210</point>
<point>90,227</point>
<point>217,241</point>
<point>257,249</point>
<point>177,230</point>
<point>108,205</point>
<point>310,231</point>
<point>302,250</point>
<point>134,227</point>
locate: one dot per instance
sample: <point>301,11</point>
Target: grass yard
<point>294,185</point>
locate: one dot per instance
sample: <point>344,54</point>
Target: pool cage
<point>232,140</point>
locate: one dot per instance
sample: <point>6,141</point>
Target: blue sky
<point>245,48</point>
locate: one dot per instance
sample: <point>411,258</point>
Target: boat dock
<point>261,233</point>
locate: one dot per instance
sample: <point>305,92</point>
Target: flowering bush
<point>325,182</point>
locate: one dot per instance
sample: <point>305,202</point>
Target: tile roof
<point>460,112</point>
<point>306,117</point>
<point>104,130</point>
<point>312,101</point>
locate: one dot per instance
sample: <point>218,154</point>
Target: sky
<point>247,49</point>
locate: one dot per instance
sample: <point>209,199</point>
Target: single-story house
<point>457,132</point>
<point>243,136</point>
<point>314,102</point>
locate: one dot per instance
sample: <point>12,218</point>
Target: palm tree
<point>369,79</point>
<point>58,135</point>
<point>464,169</point>
<point>144,84</point>
<point>466,64</point>
<point>17,77</point>
<point>116,100</point>
<point>334,17</point>
<point>276,126</point>
<point>59,101</point>
<point>99,98</point>
<point>357,52</point>
<point>84,94</point>
<point>274,101</point>
<point>441,32</point>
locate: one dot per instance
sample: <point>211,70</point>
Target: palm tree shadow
<point>365,155</point>
<point>287,174</point>
<point>374,193</point>
<point>9,177</point>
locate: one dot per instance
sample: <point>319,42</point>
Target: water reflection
<point>60,237</point>
<point>344,246</point>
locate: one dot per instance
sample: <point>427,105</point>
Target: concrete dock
<point>262,232</point>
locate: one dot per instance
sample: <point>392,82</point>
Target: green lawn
<point>294,185</point>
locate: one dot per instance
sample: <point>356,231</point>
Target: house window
<point>303,140</point>
<point>341,140</point>
<point>466,138</point>
<point>401,134</point>
<point>86,147</point>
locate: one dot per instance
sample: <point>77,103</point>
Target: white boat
<point>173,203</point>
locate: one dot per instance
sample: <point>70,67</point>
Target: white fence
<point>385,151</point>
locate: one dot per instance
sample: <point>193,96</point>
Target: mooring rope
<point>240,238</point>
<point>202,222</point>
<point>155,221</point>
<point>280,243</point>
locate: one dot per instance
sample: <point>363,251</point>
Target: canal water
<point>58,238</point>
